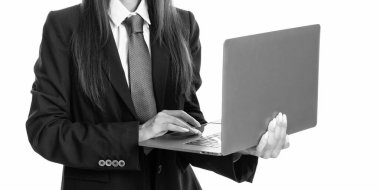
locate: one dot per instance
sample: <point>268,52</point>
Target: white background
<point>342,152</point>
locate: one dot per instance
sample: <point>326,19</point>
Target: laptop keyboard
<point>209,141</point>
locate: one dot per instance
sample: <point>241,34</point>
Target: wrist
<point>142,133</point>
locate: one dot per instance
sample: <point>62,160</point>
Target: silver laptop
<point>263,74</point>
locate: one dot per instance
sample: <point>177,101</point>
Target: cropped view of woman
<point>113,73</point>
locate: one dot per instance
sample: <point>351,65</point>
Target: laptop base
<point>184,142</point>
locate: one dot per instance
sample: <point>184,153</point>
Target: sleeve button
<point>115,163</point>
<point>121,163</point>
<point>102,163</point>
<point>108,163</point>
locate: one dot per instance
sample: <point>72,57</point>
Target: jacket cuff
<point>245,168</point>
<point>126,156</point>
<point>239,170</point>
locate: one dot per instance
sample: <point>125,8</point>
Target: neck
<point>131,5</point>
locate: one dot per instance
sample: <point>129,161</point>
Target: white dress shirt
<point>118,13</point>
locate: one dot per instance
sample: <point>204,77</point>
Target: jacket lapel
<point>116,74</point>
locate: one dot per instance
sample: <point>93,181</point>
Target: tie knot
<point>134,23</point>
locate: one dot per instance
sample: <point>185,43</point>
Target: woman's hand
<point>168,120</point>
<point>273,141</point>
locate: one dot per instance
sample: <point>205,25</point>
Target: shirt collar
<point>118,12</point>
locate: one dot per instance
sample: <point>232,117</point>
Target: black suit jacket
<point>64,127</point>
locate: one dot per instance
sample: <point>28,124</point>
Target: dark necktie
<point>140,70</point>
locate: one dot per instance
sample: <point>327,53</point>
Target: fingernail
<point>185,130</point>
<point>196,131</point>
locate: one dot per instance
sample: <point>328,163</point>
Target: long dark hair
<point>93,33</point>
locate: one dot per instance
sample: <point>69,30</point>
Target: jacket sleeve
<point>52,133</point>
<point>241,170</point>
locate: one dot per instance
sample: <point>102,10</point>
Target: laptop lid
<point>265,74</point>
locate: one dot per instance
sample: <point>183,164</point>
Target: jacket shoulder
<point>67,16</point>
<point>188,21</point>
<point>186,16</point>
<point>63,22</point>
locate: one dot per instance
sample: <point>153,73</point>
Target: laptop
<point>263,74</point>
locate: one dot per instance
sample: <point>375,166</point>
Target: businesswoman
<point>111,73</point>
